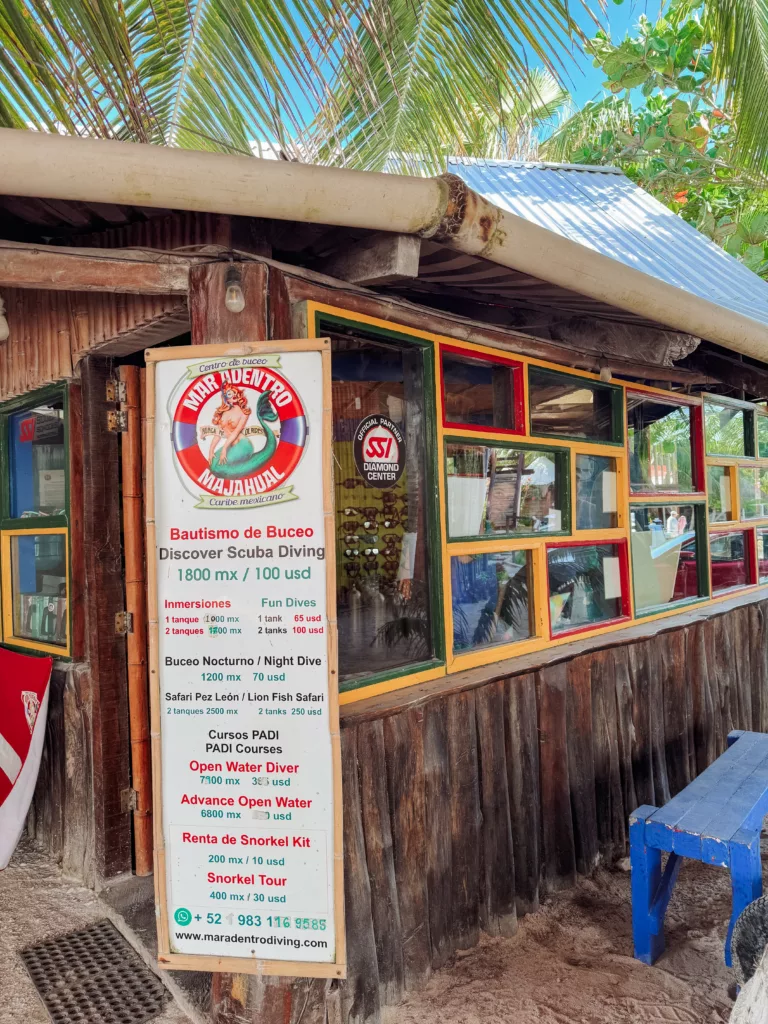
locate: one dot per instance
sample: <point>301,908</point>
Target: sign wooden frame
<point>245,965</point>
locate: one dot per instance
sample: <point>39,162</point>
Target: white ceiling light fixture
<point>4,329</point>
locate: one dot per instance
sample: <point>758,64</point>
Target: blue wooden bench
<point>717,819</point>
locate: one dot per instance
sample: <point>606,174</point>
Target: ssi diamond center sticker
<point>379,451</point>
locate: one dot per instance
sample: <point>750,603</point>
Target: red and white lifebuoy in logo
<point>239,431</point>
<point>24,684</point>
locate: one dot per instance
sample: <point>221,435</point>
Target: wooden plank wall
<point>51,331</point>
<point>461,813</point>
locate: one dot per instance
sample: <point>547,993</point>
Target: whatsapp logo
<point>182,916</point>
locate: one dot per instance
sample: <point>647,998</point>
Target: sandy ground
<point>569,964</point>
<point>36,903</point>
<point>572,963</point>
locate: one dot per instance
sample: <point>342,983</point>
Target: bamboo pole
<point>135,596</point>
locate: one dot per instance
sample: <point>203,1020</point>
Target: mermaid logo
<point>239,432</point>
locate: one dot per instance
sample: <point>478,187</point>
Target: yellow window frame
<point>537,547</point>
<point>9,636</point>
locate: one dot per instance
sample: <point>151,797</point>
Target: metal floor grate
<point>94,977</point>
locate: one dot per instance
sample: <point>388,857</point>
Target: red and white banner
<point>24,683</point>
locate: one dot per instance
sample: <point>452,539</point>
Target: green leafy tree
<point>682,141</point>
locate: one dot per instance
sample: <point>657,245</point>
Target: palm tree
<point>354,82</point>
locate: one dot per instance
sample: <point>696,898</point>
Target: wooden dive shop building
<point>558,612</point>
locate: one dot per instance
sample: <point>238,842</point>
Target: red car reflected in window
<point>728,562</point>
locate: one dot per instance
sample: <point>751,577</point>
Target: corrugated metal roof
<point>601,209</point>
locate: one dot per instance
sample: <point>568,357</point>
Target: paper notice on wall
<point>609,492</point>
<point>555,520</point>
<point>51,484</point>
<point>725,493</point>
<point>611,578</point>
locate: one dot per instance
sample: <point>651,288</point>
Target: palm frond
<point>739,30</point>
<point>335,81</point>
<point>576,138</point>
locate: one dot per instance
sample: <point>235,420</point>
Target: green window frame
<point>562,459</point>
<point>750,441</point>
<point>11,527</point>
<point>701,529</point>
<point>324,323</point>
<point>615,392</point>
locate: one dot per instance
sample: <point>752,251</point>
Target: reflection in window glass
<point>478,392</point>
<point>724,426</point>
<point>39,587</point>
<point>762,435</point>
<point>596,493</point>
<point>382,549</point>
<point>728,560</point>
<point>664,555</point>
<point>37,461</point>
<point>660,449</point>
<point>504,490</point>
<point>762,555</point>
<point>491,599</point>
<point>753,492</point>
<point>566,406</point>
<point>584,585</point>
<point>719,494</point>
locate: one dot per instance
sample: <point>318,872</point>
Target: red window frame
<point>697,445</point>
<point>518,395</point>
<point>626,613</point>
<point>750,557</point>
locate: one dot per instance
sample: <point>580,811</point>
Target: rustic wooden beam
<point>729,370</point>
<point>299,286</point>
<point>106,649</point>
<point>212,323</point>
<point>378,259</point>
<point>135,271</point>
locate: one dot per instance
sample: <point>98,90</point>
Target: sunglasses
<point>391,538</point>
<point>350,483</point>
<point>352,569</point>
<point>371,566</point>
<point>392,566</point>
<point>370,512</point>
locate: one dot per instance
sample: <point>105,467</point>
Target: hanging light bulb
<point>234,299</point>
<point>4,329</point>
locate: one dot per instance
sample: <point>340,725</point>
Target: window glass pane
<point>762,555</point>
<point>495,490</point>
<point>762,435</point>
<point>664,555</point>
<point>596,493</point>
<point>719,494</point>
<point>724,426</point>
<point>37,458</point>
<point>39,587</point>
<point>491,603</point>
<point>660,449</point>
<point>728,560</point>
<point>753,492</point>
<point>478,392</point>
<point>584,585</point>
<point>382,549</point>
<point>571,407</point>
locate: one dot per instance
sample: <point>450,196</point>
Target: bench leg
<point>746,879</point>
<point>647,928</point>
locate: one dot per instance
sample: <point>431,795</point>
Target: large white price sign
<point>243,660</point>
